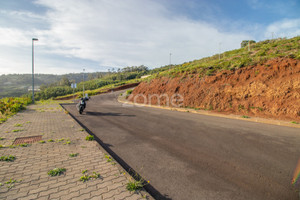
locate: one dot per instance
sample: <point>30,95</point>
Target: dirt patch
<point>270,90</point>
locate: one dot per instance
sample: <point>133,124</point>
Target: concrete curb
<point>102,148</point>
<point>123,100</point>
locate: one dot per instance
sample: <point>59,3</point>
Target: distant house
<point>145,76</point>
<point>36,88</point>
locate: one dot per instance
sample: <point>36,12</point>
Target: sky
<point>98,35</point>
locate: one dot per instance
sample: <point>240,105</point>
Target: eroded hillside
<point>270,89</point>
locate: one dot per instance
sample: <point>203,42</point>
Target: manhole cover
<point>28,140</point>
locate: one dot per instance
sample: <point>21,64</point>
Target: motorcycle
<point>81,105</point>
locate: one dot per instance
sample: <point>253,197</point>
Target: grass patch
<point>17,130</point>
<point>50,140</point>
<point>24,145</point>
<point>42,141</point>
<point>245,116</point>
<point>56,171</point>
<point>18,125</point>
<point>68,142</point>
<point>87,177</point>
<point>128,92</point>
<point>109,159</point>
<point>9,158</point>
<point>11,183</point>
<point>89,138</point>
<point>1,138</point>
<point>134,185</point>
<point>60,140</point>
<point>294,122</point>
<point>73,155</point>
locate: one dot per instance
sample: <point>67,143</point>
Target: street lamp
<point>33,39</point>
<point>83,82</point>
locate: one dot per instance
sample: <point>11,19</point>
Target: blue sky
<point>102,34</point>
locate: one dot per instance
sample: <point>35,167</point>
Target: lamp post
<point>33,39</point>
<point>83,82</point>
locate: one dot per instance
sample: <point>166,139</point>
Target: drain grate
<point>28,140</point>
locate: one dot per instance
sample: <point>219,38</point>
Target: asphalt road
<point>192,156</point>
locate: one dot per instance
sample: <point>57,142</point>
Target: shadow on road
<point>108,114</point>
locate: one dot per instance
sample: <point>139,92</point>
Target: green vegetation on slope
<point>110,80</point>
<point>18,84</point>
<point>10,106</point>
<point>258,54</point>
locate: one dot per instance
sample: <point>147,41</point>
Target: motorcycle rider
<point>81,103</point>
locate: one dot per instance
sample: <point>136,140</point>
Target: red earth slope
<point>269,90</point>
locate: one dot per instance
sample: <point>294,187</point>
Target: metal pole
<point>83,82</point>
<point>33,39</point>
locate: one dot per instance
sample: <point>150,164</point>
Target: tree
<point>64,81</point>
<point>90,76</point>
<point>244,43</point>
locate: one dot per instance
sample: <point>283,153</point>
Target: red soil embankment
<point>270,90</point>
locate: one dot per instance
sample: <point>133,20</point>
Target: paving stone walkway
<point>27,176</point>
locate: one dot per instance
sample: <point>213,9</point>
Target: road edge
<point>148,189</point>
<point>122,99</point>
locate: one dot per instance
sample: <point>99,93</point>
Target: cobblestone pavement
<point>62,136</point>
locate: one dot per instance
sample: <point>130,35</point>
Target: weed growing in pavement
<point>24,145</point>
<point>294,122</point>
<point>81,130</point>
<point>1,138</point>
<point>56,171</point>
<point>12,146</point>
<point>68,142</point>
<point>136,182</point>
<point>28,122</point>
<point>10,183</point>
<point>73,154</point>
<point>89,138</point>
<point>50,140</point>
<point>1,146</point>
<point>87,177</point>
<point>18,125</point>
<point>134,185</point>
<point>42,141</point>
<point>109,159</point>
<point>245,116</point>
<point>17,130</point>
<point>60,140</point>
<point>83,147</point>
<point>84,178</point>
<point>9,158</point>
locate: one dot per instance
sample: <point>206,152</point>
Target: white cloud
<point>284,28</point>
<point>116,33</point>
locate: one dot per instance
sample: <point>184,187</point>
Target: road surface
<point>192,156</point>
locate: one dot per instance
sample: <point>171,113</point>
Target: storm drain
<point>28,140</point>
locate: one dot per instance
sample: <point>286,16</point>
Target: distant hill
<point>18,84</point>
